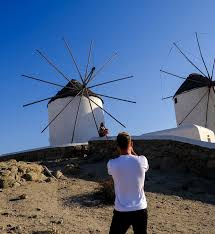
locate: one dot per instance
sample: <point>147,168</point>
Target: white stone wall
<point>194,132</point>
<point>186,101</point>
<point>60,131</point>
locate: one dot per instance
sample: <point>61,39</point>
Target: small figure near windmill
<point>76,113</point>
<point>103,131</point>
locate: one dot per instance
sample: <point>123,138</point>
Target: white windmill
<point>194,101</point>
<point>76,112</point>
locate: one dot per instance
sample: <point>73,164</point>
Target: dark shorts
<point>123,220</point>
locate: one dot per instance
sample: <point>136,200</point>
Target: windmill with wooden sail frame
<point>194,101</point>
<point>76,112</point>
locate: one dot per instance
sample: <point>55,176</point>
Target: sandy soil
<point>178,203</point>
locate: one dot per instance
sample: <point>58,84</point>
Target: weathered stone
<point>7,182</point>
<point>16,184</point>
<point>23,196</point>
<point>50,179</point>
<point>71,169</point>
<point>31,176</point>
<point>58,174</point>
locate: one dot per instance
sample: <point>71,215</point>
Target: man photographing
<point>128,173</point>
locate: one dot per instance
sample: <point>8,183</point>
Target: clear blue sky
<point>141,31</point>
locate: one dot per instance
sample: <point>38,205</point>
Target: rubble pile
<point>13,173</point>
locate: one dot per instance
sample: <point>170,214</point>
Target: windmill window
<point>176,101</point>
<point>209,139</point>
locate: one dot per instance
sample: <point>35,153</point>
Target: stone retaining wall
<point>163,154</point>
<point>48,153</point>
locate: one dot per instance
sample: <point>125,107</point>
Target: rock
<point>16,184</point>
<point>23,196</point>
<point>50,179</point>
<point>58,174</point>
<point>57,221</point>
<point>13,173</point>
<point>7,181</point>
<point>16,229</point>
<point>32,176</point>
<point>178,198</point>
<point>71,169</point>
<point>32,216</point>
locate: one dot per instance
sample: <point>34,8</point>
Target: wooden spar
<point>107,82</point>
<point>180,77</point>
<point>73,98</point>
<point>92,111</point>
<point>206,118</point>
<point>53,65</point>
<point>120,99</point>
<point>200,51</point>
<point>193,108</point>
<point>103,66</point>
<point>76,117</point>
<point>188,59</point>
<point>88,62</point>
<point>73,59</point>
<point>107,113</point>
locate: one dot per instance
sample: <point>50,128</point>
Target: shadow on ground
<point>171,182</point>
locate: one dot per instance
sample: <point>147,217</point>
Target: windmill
<point>75,112</point>
<point>194,101</point>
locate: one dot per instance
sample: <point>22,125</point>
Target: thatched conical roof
<point>75,86</point>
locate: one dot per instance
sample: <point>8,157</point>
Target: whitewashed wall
<point>188,131</point>
<point>60,131</point>
<point>185,103</point>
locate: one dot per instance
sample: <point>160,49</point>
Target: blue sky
<point>141,32</point>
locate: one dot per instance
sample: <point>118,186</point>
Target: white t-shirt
<point>128,172</point>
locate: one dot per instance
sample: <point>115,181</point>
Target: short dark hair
<point>123,140</point>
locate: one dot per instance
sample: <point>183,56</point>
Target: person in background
<point>103,131</point>
<point>128,173</point>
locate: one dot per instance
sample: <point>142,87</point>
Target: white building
<point>194,104</point>
<point>194,132</point>
<point>61,130</point>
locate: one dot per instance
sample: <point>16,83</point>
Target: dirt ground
<point>178,202</point>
